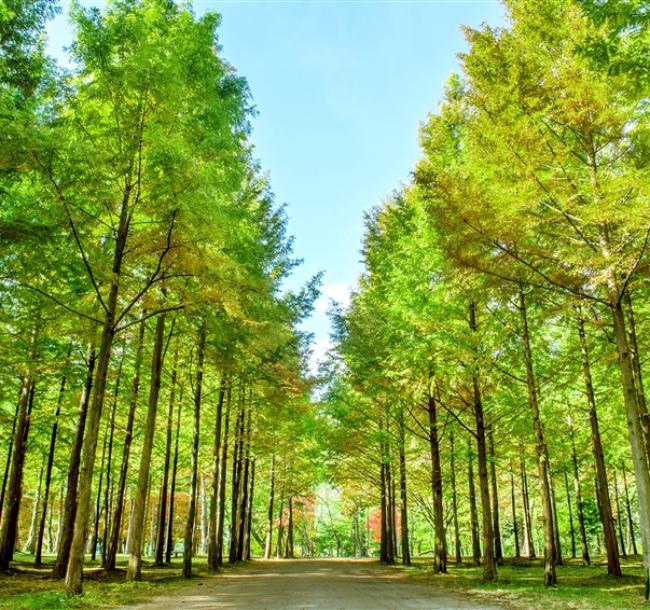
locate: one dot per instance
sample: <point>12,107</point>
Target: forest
<point>483,402</point>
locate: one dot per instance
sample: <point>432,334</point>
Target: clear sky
<point>340,88</point>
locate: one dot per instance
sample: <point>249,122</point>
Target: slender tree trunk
<point>496,528</point>
<point>5,476</point>
<point>191,514</point>
<point>116,527</point>
<point>550,576</point>
<point>269,534</point>
<point>581,513</point>
<point>98,501</point>
<point>393,513</point>
<point>454,501</point>
<point>237,469</point>
<point>636,436</point>
<point>636,368</point>
<point>619,517</point>
<point>74,572</point>
<point>109,464</point>
<point>289,553</point>
<point>222,482</point>
<point>278,547</point>
<point>440,549</point>
<point>30,544</point>
<point>383,545</point>
<point>406,553</point>
<point>568,501</point>
<point>489,563</point>
<point>134,567</point>
<point>9,530</point>
<point>473,512</point>
<point>70,508</point>
<point>515,524</point>
<point>172,492</point>
<point>556,527</point>
<point>48,469</point>
<point>205,533</point>
<point>162,507</point>
<point>628,508</point>
<point>249,512</point>
<point>529,544</point>
<point>214,488</point>
<point>242,526</point>
<point>602,487</point>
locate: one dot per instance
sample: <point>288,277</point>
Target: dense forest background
<point>484,398</point>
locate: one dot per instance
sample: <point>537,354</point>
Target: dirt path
<point>316,584</point>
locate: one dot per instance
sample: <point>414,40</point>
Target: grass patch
<point>520,584</point>
<point>26,587</point>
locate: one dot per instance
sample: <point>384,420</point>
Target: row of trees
<point>501,320</point>
<point>148,347</point>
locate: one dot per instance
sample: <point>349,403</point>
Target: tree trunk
<point>188,544</point>
<point>278,547</point>
<point>237,469</point>
<point>70,507</point>
<point>581,513</point>
<point>638,449</point>
<point>406,553</point>
<point>619,517</point>
<point>636,368</point>
<point>249,512</point>
<point>30,544</point>
<point>498,550</point>
<point>74,572</point>
<point>473,512</point>
<point>602,487</point>
<point>241,528</point>
<point>5,477</point>
<point>109,464</point>
<point>172,492</point>
<point>440,549</point>
<point>489,563</point>
<point>556,527</point>
<point>550,576</point>
<point>48,469</point>
<point>162,507</point>
<point>289,552</point>
<point>222,482</point>
<point>568,501</point>
<point>269,534</point>
<point>515,524</point>
<point>383,545</point>
<point>98,502</point>
<point>9,530</point>
<point>116,527</point>
<point>454,501</point>
<point>134,567</point>
<point>529,544</point>
<point>214,488</point>
<point>628,510</point>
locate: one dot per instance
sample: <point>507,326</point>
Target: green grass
<point>30,588</point>
<point>520,585</point>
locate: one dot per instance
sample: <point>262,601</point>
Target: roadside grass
<point>26,587</point>
<point>520,584</point>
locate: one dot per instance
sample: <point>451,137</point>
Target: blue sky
<point>340,88</point>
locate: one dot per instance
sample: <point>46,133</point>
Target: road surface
<point>311,584</point>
